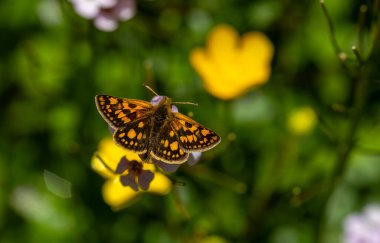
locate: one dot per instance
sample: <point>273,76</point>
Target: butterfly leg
<point>145,157</point>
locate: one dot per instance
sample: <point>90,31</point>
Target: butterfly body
<point>154,130</point>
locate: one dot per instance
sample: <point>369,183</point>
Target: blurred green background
<point>263,183</point>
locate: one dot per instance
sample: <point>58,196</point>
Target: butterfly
<point>155,131</point>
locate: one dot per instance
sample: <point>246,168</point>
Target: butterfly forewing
<point>192,136</point>
<point>167,147</point>
<point>145,129</point>
<point>120,111</point>
<point>135,135</point>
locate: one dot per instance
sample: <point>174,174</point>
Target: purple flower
<point>364,227</point>
<point>133,174</point>
<point>193,159</point>
<point>106,13</point>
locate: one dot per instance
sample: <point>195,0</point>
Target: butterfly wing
<point>118,112</point>
<point>135,135</point>
<point>167,148</point>
<point>192,136</point>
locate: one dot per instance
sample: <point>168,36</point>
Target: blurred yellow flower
<point>230,65</point>
<point>107,162</point>
<point>302,120</point>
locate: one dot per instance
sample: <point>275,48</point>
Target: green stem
<point>361,21</point>
<point>179,204</point>
<point>218,178</point>
<point>349,141</point>
<point>338,51</point>
<point>345,148</point>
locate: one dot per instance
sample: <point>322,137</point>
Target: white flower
<point>364,227</point>
<point>106,13</point>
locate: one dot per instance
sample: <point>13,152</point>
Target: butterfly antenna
<point>154,92</point>
<point>186,103</point>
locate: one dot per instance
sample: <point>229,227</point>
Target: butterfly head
<point>165,101</point>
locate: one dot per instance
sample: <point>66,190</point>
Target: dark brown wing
<point>167,148</point>
<point>193,137</point>
<point>135,136</point>
<point>118,112</point>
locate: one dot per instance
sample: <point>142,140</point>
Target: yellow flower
<point>107,162</point>
<point>302,120</point>
<point>230,65</point>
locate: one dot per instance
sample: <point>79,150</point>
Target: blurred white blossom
<point>106,13</point>
<point>363,227</point>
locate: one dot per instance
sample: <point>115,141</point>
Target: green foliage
<point>263,183</point>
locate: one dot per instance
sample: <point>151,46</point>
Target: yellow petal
<point>221,88</point>
<point>160,184</point>
<point>216,81</point>
<point>201,63</point>
<point>255,56</point>
<point>98,166</point>
<point>302,120</point>
<point>222,37</point>
<point>148,166</point>
<point>116,195</point>
<point>132,156</point>
<point>230,66</point>
<point>110,152</point>
<point>256,47</point>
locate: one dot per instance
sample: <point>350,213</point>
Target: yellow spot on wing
<point>171,134</point>
<point>183,139</point>
<point>174,146</point>
<point>121,135</point>
<point>166,143</point>
<point>190,137</point>
<point>141,124</point>
<point>205,132</point>
<point>113,101</point>
<point>131,134</point>
<point>126,119</point>
<point>139,136</point>
<point>193,128</point>
<point>121,114</point>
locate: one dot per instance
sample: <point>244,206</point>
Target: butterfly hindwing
<point>120,111</point>
<point>135,135</point>
<point>193,137</point>
<point>167,147</point>
<point>154,131</point>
